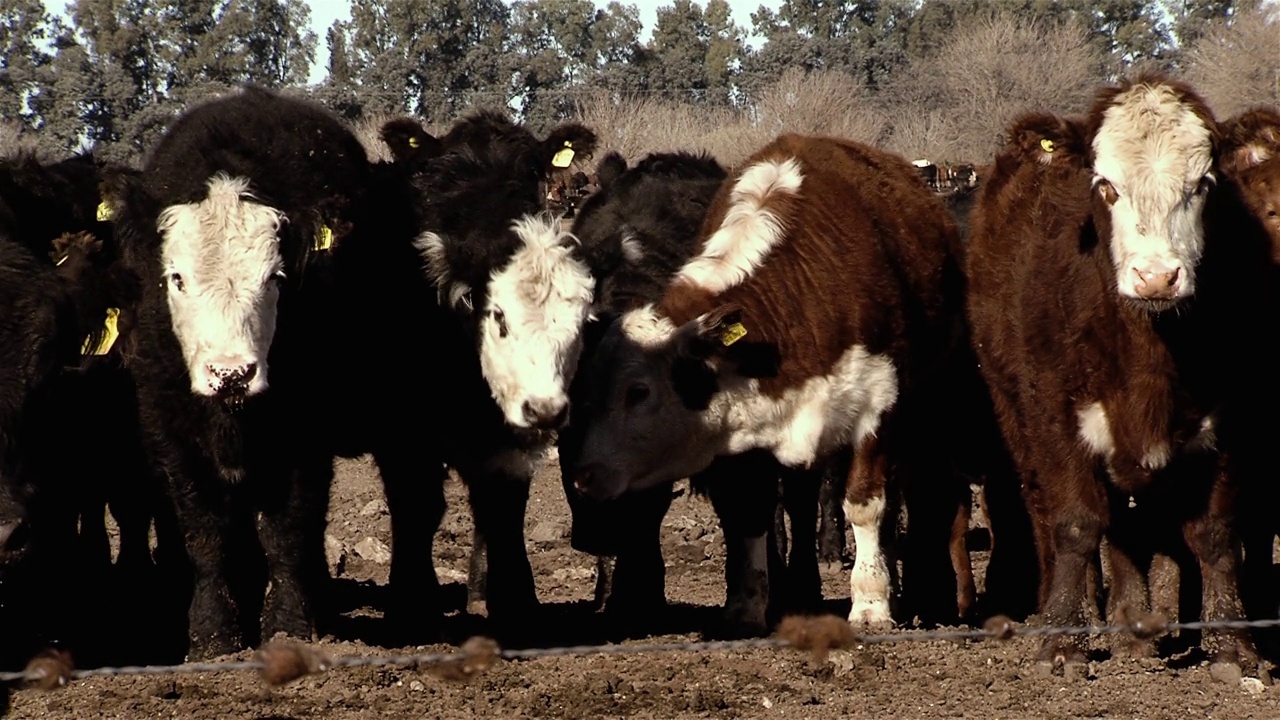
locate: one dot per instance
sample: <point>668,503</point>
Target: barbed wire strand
<point>282,662</point>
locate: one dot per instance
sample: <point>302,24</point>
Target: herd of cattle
<point>192,343</point>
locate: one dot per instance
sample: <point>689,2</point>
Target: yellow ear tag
<point>732,334</point>
<point>414,142</point>
<point>108,338</point>
<point>104,211</point>
<point>324,238</point>
<point>565,156</point>
<point>61,260</point>
<point>1047,144</point>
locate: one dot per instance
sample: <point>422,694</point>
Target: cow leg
<point>1129,596</point>
<point>961,563</point>
<point>935,496</point>
<point>212,616</point>
<point>1075,513</point>
<point>1014,571</point>
<point>864,509</point>
<point>1211,539</point>
<point>291,530</point>
<point>415,499</point>
<point>801,489</point>
<point>499,493</point>
<point>744,493</point>
<point>477,574</point>
<point>638,589</point>
<point>831,524</point>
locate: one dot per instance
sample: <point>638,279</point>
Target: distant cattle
<point>1108,275</point>
<point>493,322</point>
<point>233,212</point>
<point>824,299</point>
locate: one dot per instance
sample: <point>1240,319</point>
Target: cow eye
<point>637,394</point>
<point>279,276</point>
<point>1108,191</point>
<point>175,280</point>
<point>1205,183</point>
<point>501,319</point>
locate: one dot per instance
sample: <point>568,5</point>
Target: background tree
<point>1236,63</point>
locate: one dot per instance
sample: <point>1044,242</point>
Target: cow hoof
<point>872,616</point>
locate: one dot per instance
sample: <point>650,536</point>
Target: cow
<point>235,210</point>
<point>1251,162</point>
<point>511,293</point>
<point>824,296</point>
<point>1113,383</point>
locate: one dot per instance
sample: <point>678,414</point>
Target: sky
<point>324,12</point>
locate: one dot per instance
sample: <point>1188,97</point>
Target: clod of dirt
<point>1253,686</point>
<point>335,553</point>
<point>549,531</point>
<point>374,508</point>
<point>373,550</point>
<point>1226,672</point>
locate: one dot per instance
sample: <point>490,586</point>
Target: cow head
<point>506,268</point>
<point>653,397</point>
<point>219,268</point>
<point>1251,157</point>
<point>1152,148</point>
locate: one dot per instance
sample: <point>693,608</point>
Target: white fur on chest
<point>1095,432</point>
<point>808,421</point>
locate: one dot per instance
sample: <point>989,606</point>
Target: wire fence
<point>279,663</point>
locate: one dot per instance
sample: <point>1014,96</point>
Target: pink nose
<point>1157,284</point>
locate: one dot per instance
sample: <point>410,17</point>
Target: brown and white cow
<point>1105,270</point>
<point>1251,162</point>
<point>824,297</point>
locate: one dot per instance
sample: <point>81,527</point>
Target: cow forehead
<point>227,232</point>
<point>542,275</point>
<point>1150,138</point>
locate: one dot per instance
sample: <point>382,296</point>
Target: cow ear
<point>409,142</point>
<point>567,142</point>
<point>119,188</point>
<point>723,335</point>
<point>610,168</point>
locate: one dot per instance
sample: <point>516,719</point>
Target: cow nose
<point>231,375</point>
<point>545,413</point>
<point>589,481</point>
<point>1157,284</point>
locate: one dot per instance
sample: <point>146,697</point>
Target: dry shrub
<point>953,106</point>
<point>634,126</point>
<point>1236,66</point>
<point>823,102</point>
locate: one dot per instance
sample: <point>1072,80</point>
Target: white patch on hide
<point>645,327</point>
<point>1207,437</point>
<point>811,420</point>
<point>531,332</point>
<point>1157,456</point>
<point>869,581</point>
<point>750,229</point>
<point>221,261</point>
<point>1095,430</point>
<point>452,292</point>
<point>1154,150</point>
<point>632,250</point>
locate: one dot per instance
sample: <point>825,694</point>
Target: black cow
<point>235,210</point>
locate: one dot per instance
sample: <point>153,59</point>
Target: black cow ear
<point>610,168</point>
<point>723,335</point>
<point>409,142</point>
<point>567,142</point>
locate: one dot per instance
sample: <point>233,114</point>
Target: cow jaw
<point>222,266</point>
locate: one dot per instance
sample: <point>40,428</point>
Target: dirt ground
<point>907,680</point>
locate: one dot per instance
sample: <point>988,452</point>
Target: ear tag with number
<point>1047,144</point>
<point>732,334</point>
<point>112,331</point>
<point>565,156</point>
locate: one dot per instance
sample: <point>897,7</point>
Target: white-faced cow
<point>1114,380</point>
<point>241,198</point>
<point>823,298</point>
<point>509,293</point>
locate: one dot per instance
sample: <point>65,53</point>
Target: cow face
<point>658,399</point>
<point>222,269</point>
<point>1153,161</point>
<point>1251,157</point>
<point>516,279</point>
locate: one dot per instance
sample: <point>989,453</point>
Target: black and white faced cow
<point>241,198</point>
<point>788,336</point>
<point>518,291</point>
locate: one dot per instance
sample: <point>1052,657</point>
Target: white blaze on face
<point>531,330</point>
<point>1152,163</point>
<point>221,261</point>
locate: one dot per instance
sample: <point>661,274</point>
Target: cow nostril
<point>530,414</point>
<point>249,372</point>
<point>561,417</point>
